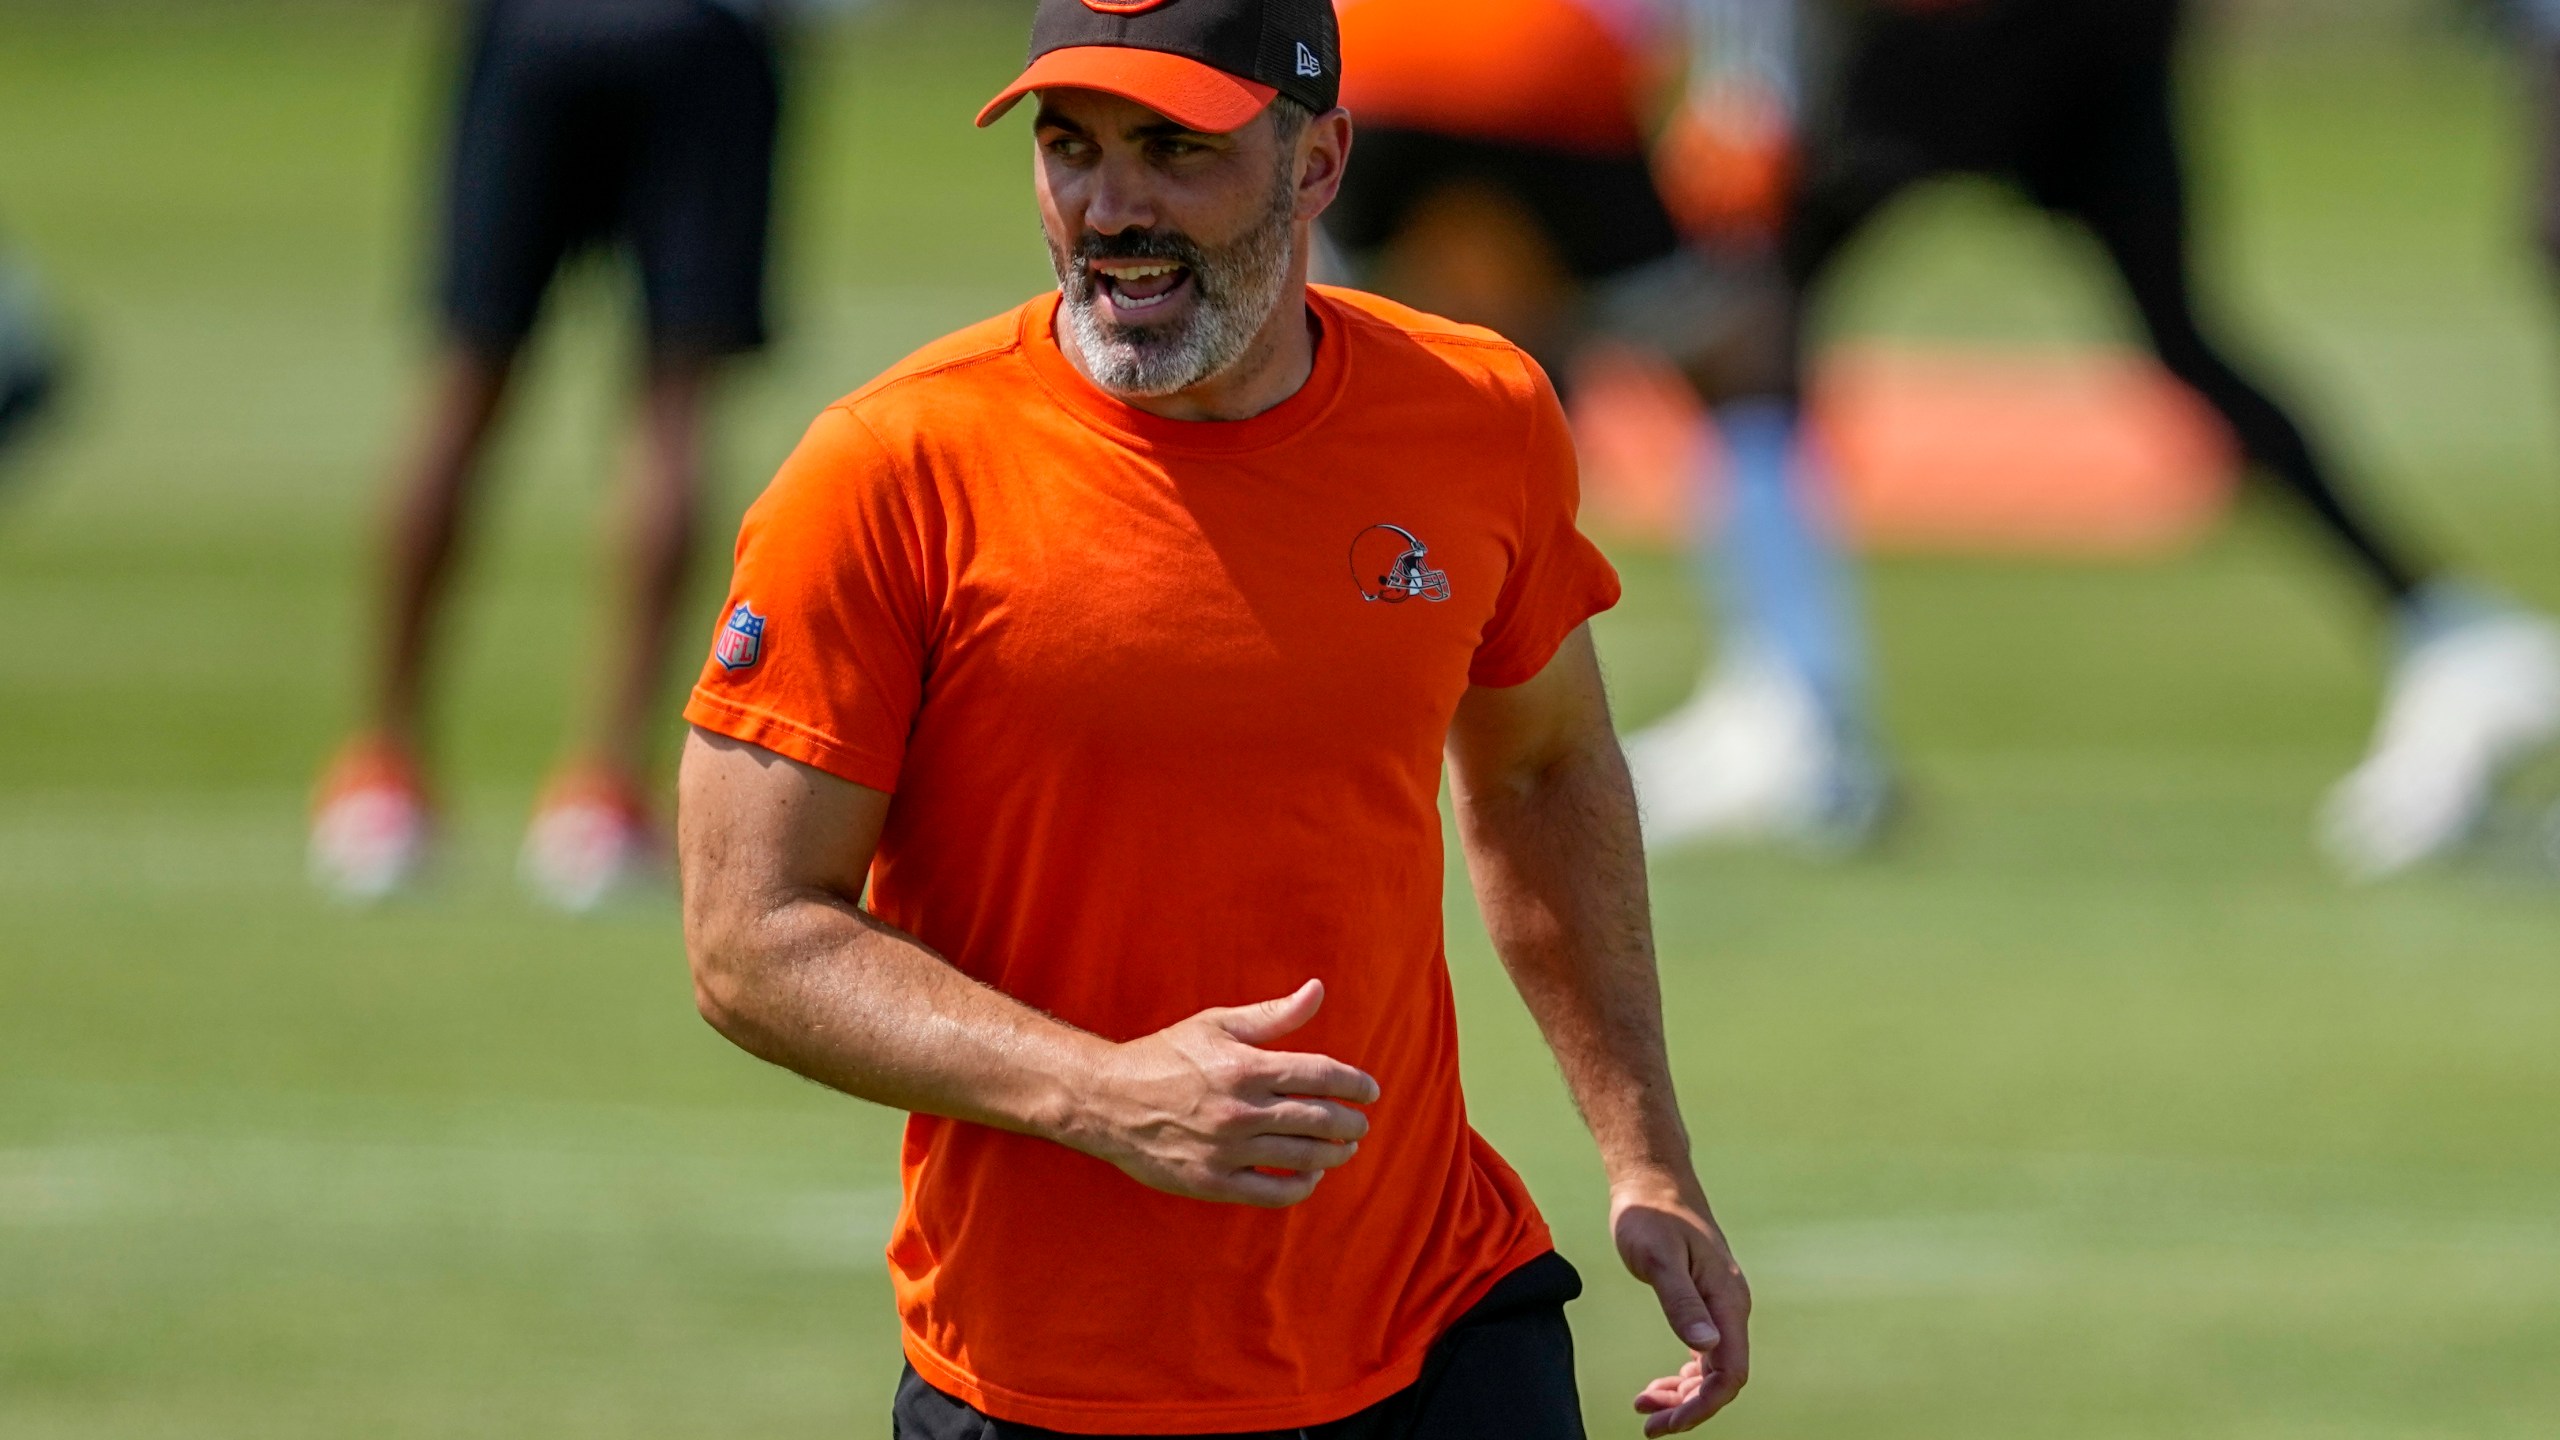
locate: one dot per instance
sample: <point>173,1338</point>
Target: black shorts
<point>1504,1370</point>
<point>1602,213</point>
<point>2029,91</point>
<point>647,125</point>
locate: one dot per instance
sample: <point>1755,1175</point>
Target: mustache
<point>1169,245</point>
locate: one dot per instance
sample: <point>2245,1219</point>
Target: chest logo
<point>741,642</point>
<point>1389,563</point>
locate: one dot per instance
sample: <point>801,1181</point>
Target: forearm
<point>789,966</point>
<point>815,985</point>
<point>1558,865</point>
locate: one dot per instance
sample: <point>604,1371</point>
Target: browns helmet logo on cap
<point>1208,65</point>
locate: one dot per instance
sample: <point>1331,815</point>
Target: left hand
<point>1669,1240</point>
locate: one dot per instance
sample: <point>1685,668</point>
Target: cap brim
<point>1192,95</point>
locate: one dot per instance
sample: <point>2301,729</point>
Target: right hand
<point>1198,1109</point>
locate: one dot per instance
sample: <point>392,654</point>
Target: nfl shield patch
<point>741,640</point>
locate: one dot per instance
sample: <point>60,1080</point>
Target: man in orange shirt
<point>1114,645</point>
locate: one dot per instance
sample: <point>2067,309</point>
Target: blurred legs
<point>1776,743</point>
<point>1784,584</point>
<point>425,526</point>
<point>2475,685</point>
<point>2475,689</point>
<point>373,818</point>
<point>593,833</point>
<point>2475,681</point>
<point>664,501</point>
<point>371,835</point>
<point>2133,200</point>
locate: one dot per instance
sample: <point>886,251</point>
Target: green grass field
<point>2095,1108</point>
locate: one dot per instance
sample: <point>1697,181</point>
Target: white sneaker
<point>1753,756</point>
<point>2467,703</point>
<point>591,840</point>
<point>372,827</point>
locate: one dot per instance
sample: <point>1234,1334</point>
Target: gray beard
<point>1235,288</point>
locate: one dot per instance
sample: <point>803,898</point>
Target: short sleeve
<point>1558,577</point>
<point>819,651</point>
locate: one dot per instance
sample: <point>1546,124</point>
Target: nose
<point>1118,199</point>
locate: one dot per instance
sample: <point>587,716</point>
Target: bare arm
<point>1548,819</point>
<point>788,965</point>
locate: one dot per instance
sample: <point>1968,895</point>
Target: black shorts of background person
<point>1505,1369</point>
<point>1601,213</point>
<point>644,125</point>
<point>1547,246</point>
<point>2074,103</point>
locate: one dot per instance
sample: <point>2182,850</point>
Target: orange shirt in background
<point>1155,748</point>
<point>1560,74</point>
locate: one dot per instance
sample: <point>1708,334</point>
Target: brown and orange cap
<point>1210,65</point>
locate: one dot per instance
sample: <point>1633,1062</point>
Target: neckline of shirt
<point>1123,421</point>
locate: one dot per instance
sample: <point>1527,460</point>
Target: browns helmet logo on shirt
<point>1389,563</point>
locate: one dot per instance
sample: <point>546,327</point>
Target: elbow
<point>715,1000</point>
<point>722,988</point>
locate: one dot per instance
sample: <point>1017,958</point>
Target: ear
<point>1323,150</point>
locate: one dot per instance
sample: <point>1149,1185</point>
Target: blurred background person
<point>30,355</point>
<point>2074,105</point>
<point>646,126</point>
<point>1503,176</point>
<point>2539,21</point>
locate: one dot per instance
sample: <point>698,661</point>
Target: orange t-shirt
<point>1154,749</point>
<point>1559,74</point>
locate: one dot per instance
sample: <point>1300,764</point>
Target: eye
<point>1069,148</point>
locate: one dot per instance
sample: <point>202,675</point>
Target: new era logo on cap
<point>1210,65</point>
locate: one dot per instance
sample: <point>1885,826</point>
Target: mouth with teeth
<point>1137,287</point>
<point>1154,311</point>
